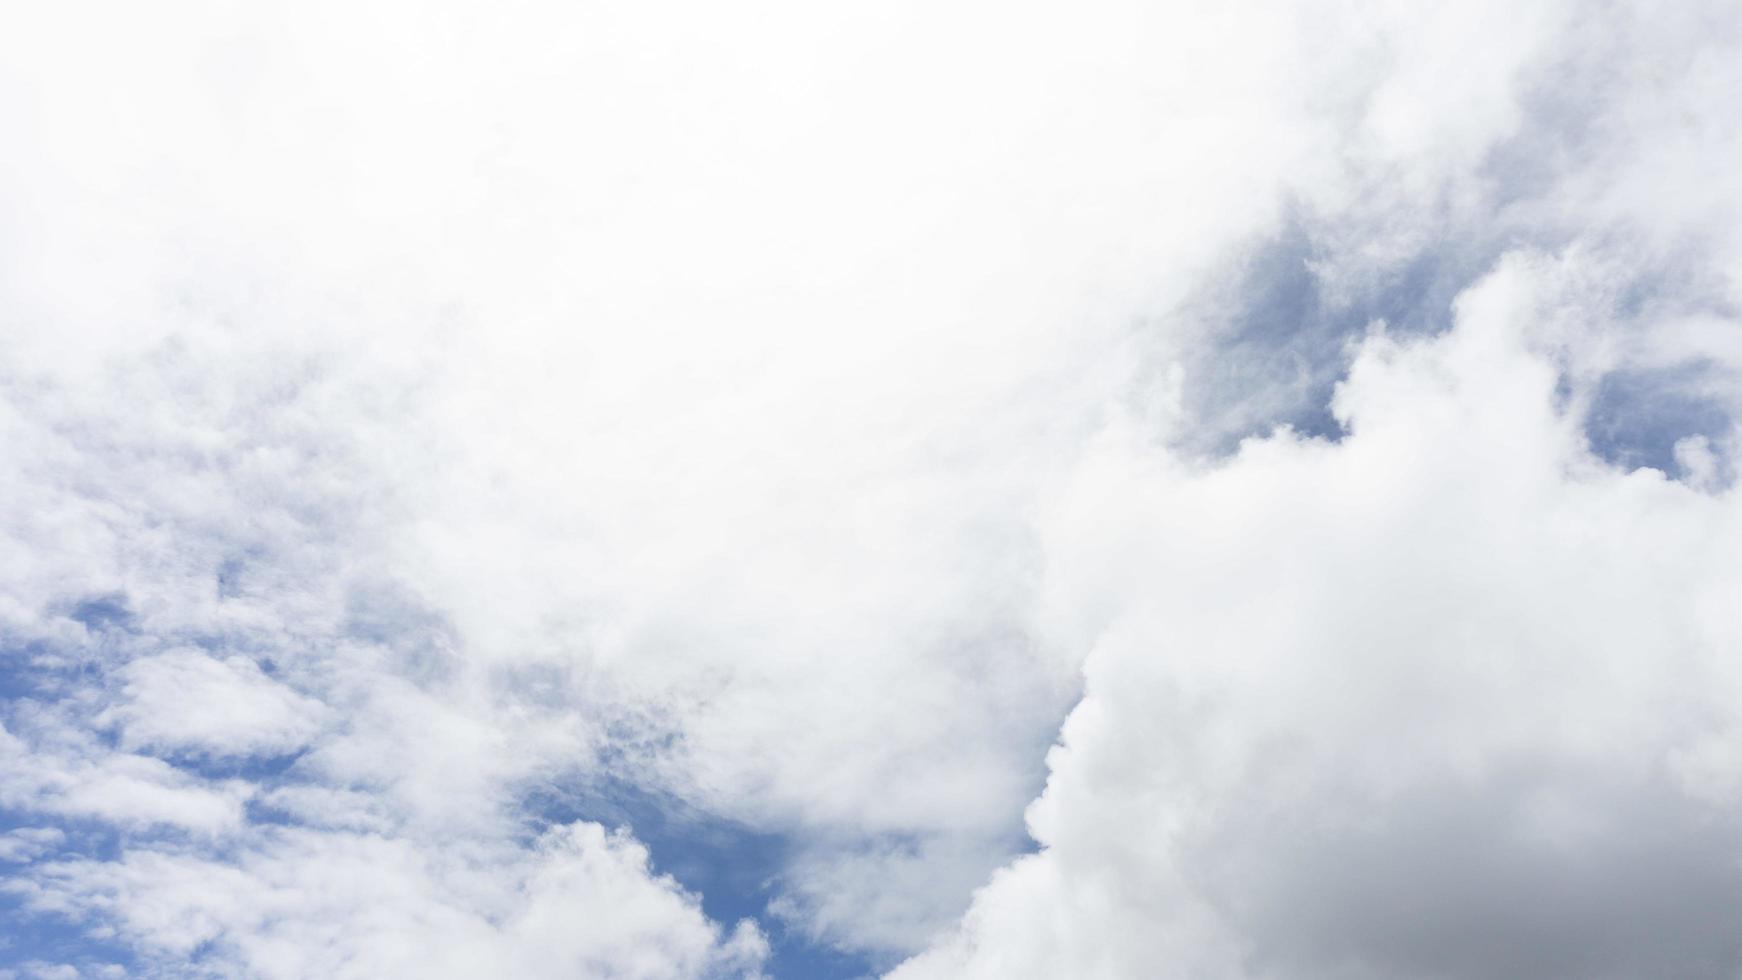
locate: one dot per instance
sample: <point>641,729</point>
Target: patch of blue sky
<point>20,676</point>
<point>1280,342</point>
<point>28,935</point>
<point>1637,417</point>
<point>1279,351</point>
<point>733,869</point>
<point>101,613</point>
<point>33,938</point>
<point>34,672</point>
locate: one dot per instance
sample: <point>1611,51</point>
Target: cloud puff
<point>188,701</point>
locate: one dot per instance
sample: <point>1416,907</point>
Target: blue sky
<point>734,869</point>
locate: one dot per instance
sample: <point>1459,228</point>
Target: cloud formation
<point>425,422</point>
<point>1447,698</point>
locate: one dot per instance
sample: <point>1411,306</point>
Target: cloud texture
<point>431,427</point>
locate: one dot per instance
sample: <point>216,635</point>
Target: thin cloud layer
<point>432,428</point>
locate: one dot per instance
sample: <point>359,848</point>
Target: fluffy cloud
<point>1446,698</point>
<point>187,700</point>
<point>1453,694</point>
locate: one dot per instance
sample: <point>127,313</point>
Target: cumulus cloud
<point>1442,699</point>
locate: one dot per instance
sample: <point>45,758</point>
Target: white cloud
<point>25,843</point>
<point>301,904</point>
<point>1350,705</point>
<point>186,700</point>
<point>72,778</point>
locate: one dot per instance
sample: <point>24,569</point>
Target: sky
<point>1231,491</point>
